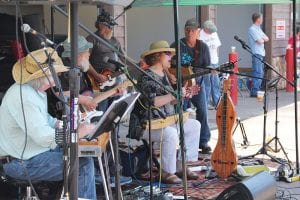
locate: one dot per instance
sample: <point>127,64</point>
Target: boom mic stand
<point>263,150</point>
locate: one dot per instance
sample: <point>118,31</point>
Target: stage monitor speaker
<point>261,186</point>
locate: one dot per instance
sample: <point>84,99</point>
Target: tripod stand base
<point>263,151</point>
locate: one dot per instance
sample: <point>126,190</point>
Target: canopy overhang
<point>151,3</point>
<point>154,3</point>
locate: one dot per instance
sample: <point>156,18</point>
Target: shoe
<point>191,110</point>
<point>146,176</point>
<point>123,180</point>
<point>210,107</point>
<point>205,148</point>
<point>190,175</point>
<point>170,178</point>
<point>253,95</point>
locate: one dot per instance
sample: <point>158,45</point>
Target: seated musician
<point>85,91</point>
<point>27,131</point>
<point>158,57</point>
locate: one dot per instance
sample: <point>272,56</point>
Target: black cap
<point>106,19</point>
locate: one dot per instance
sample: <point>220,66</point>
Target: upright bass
<point>224,158</point>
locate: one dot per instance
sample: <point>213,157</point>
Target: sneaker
<point>123,180</point>
<point>191,110</point>
<point>210,107</point>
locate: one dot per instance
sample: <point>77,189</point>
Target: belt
<point>6,159</point>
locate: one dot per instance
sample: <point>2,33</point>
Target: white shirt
<point>213,42</point>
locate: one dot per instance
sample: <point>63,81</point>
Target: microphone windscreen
<point>25,28</point>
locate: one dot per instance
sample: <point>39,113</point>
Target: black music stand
<point>109,122</point>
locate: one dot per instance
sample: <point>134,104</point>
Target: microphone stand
<point>274,84</point>
<point>263,150</point>
<point>149,114</point>
<point>74,82</point>
<point>65,112</point>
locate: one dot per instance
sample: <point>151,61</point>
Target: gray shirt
<point>100,51</point>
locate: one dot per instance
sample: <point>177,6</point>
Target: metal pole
<point>295,86</point>
<point>74,75</point>
<point>179,97</point>
<point>52,23</point>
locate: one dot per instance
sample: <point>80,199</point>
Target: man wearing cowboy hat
<point>198,54</point>
<point>158,57</point>
<point>27,131</point>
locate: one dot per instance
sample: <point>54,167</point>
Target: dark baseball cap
<point>192,23</point>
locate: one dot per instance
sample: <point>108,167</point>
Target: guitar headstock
<point>226,85</point>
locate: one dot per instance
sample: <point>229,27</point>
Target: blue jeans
<point>200,102</point>
<point>258,71</point>
<point>212,87</point>
<point>48,166</point>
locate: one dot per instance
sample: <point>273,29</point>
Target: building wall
<point>87,15</point>
<point>25,10</point>
<point>276,48</point>
<point>146,25</point>
<point>234,20</point>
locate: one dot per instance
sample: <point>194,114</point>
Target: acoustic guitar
<point>168,121</point>
<point>224,158</point>
<point>104,95</point>
<point>189,76</point>
<point>111,76</point>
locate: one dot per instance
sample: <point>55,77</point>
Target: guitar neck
<point>105,95</point>
<point>195,75</point>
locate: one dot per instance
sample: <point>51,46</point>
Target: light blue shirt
<point>40,125</point>
<point>255,33</point>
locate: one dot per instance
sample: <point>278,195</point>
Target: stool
<point>21,185</point>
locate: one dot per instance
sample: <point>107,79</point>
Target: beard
<point>108,35</point>
<point>84,65</point>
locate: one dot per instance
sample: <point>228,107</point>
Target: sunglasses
<point>168,53</point>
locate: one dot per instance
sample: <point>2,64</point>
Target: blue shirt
<point>255,33</point>
<point>40,125</point>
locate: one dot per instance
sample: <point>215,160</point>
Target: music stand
<point>109,121</point>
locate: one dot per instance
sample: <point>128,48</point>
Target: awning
<point>154,3</point>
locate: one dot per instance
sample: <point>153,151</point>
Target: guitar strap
<point>197,52</point>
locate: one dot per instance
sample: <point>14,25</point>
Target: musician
<point>85,87</point>
<point>85,90</point>
<point>100,51</point>
<point>27,131</point>
<point>158,57</point>
<point>196,53</point>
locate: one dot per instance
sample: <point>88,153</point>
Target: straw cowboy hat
<point>27,68</point>
<point>159,46</point>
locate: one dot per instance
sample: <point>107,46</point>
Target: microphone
<point>243,43</point>
<point>118,64</point>
<point>26,28</point>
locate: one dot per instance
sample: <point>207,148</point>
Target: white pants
<point>170,140</point>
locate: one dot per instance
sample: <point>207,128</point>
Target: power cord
<point>18,12</point>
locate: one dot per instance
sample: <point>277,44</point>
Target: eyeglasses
<point>168,53</point>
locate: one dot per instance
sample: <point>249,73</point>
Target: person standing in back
<point>257,39</point>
